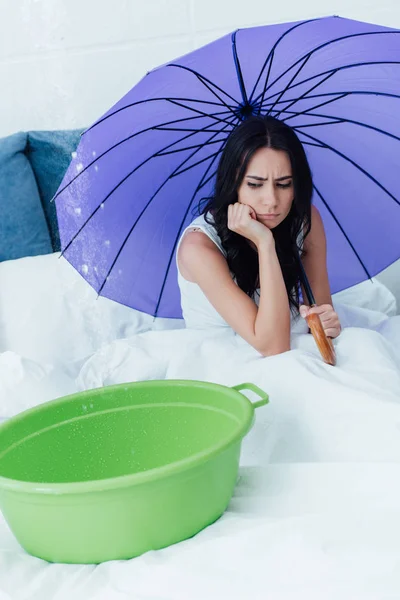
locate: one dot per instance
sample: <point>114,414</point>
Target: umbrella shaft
<point>306,283</point>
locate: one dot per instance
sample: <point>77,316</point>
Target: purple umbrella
<point>141,169</point>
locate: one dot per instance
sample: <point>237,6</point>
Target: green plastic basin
<point>114,472</point>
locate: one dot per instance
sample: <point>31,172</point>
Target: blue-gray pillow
<point>49,153</point>
<point>23,227</point>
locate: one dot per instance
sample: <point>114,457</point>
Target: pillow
<point>49,153</point>
<point>50,314</point>
<point>371,294</point>
<point>24,384</point>
<point>23,227</point>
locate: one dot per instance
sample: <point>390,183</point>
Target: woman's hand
<point>329,319</point>
<point>242,219</point>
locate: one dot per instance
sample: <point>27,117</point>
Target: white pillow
<point>24,383</point>
<point>50,314</point>
<point>371,294</point>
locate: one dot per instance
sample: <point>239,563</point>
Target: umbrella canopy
<point>140,170</point>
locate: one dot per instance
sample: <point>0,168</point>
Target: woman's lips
<point>269,216</point>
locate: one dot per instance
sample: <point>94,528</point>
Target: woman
<point>237,262</point>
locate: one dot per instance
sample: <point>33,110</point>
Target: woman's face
<point>267,186</point>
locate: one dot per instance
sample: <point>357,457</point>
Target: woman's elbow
<point>274,350</point>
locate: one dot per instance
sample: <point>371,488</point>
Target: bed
<point>316,511</point>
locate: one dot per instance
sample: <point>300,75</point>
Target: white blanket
<point>350,412</point>
<point>316,513</point>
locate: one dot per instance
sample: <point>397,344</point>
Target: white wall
<point>63,63</point>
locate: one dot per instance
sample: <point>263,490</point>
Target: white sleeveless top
<point>197,310</point>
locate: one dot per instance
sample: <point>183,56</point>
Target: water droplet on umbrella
<point>94,153</point>
<point>79,167</point>
<point>78,211</point>
<point>107,243</point>
<point>119,271</point>
<point>102,205</point>
<point>96,168</point>
<point>73,154</point>
<point>85,269</point>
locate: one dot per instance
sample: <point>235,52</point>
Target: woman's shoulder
<point>316,236</point>
<point>198,238</point>
<point>197,252</point>
<point>205,221</point>
<point>205,224</point>
<point>195,237</point>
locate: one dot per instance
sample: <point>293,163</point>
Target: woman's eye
<point>254,185</point>
<point>284,185</point>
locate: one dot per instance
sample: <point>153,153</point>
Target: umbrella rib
<point>266,80</point>
<point>303,96</point>
<point>340,95</point>
<point>204,79</point>
<point>204,114</point>
<point>208,179</point>
<point>307,110</point>
<point>270,57</point>
<point>177,150</point>
<point>334,41</point>
<point>181,227</point>
<point>342,120</point>
<point>332,71</point>
<point>123,180</point>
<point>319,124</point>
<point>342,230</point>
<point>238,68</point>
<point>138,219</point>
<point>348,159</point>
<point>125,140</point>
<point>316,145</point>
<point>166,99</point>
<point>196,163</point>
<point>290,82</point>
<point>161,128</point>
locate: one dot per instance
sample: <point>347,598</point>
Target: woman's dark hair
<point>254,133</point>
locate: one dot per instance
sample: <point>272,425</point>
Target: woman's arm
<point>266,328</point>
<point>314,261</point>
<point>315,266</point>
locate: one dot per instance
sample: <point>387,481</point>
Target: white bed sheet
<point>292,531</point>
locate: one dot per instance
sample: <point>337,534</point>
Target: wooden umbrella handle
<point>325,345</point>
